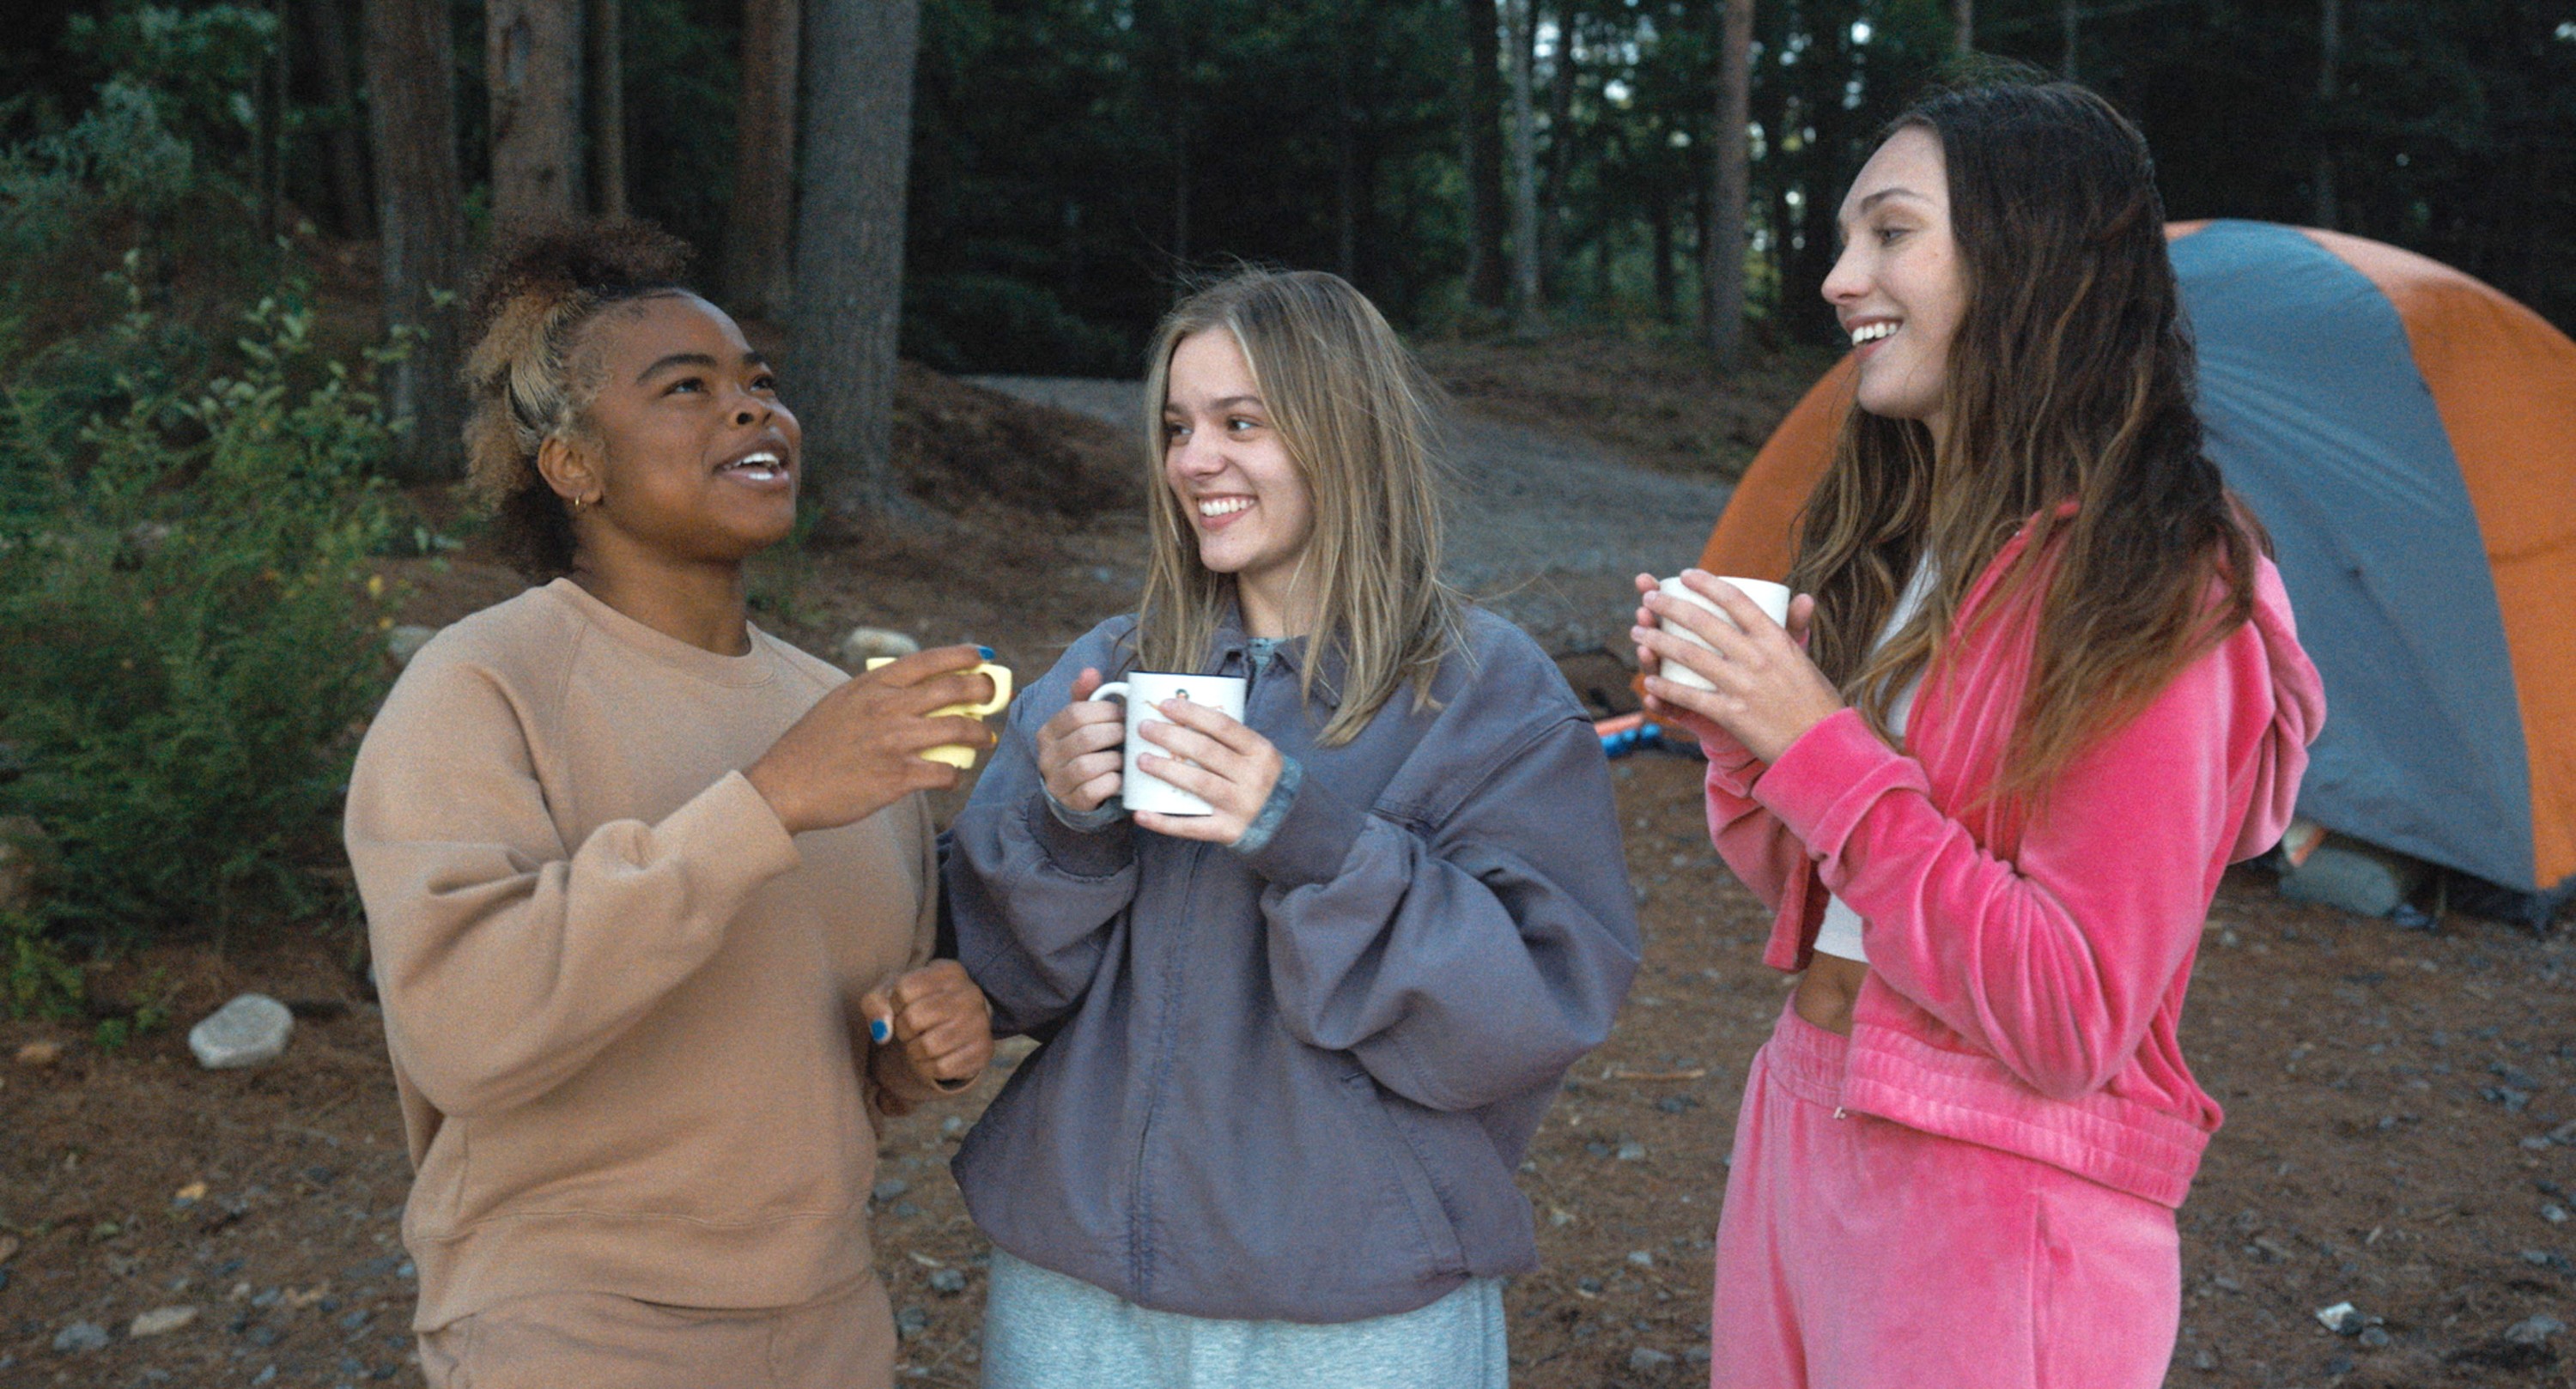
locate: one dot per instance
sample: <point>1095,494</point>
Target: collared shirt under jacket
<point>1296,1083</point>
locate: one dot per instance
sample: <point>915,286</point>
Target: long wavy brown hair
<point>2069,379</point>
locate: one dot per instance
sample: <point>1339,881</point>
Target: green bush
<point>190,622</point>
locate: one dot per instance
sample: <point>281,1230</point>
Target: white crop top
<point>1839,936</point>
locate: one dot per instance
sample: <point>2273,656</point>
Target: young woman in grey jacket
<point>1292,1049</point>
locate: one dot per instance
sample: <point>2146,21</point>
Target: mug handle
<point>1000,675</point>
<point>1115,689</point>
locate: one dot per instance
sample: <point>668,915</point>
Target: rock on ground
<point>161,1321</point>
<point>865,644</point>
<point>251,1029</point>
<point>405,642</point>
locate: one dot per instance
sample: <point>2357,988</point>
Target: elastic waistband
<point>1806,1060</point>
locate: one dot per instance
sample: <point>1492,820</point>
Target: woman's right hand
<point>1079,749</point>
<point>858,750</point>
<point>1703,662</point>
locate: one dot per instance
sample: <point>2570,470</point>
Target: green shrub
<point>191,627</point>
<point>36,980</point>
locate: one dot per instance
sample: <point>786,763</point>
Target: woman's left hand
<point>1768,692</point>
<point>933,1031</point>
<point>1235,773</point>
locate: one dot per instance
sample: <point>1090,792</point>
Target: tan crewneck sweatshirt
<point>621,1000</point>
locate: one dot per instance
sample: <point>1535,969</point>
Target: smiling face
<point>688,454</point>
<point>1898,287</point>
<point>1245,499</point>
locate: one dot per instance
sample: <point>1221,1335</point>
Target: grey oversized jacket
<point>1296,1083</point>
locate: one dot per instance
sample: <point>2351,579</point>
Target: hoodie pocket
<point>1403,1158</point>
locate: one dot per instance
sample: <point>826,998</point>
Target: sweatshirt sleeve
<point>1033,898</point>
<point>2056,960</point>
<point>1470,955</point>
<point>507,959</point>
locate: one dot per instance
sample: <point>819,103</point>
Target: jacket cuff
<point>1732,767</point>
<point>1313,837</point>
<point>1079,853</point>
<point>1822,783</point>
<point>1274,811</point>
<point>1099,817</point>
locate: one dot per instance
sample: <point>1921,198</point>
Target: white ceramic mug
<point>1143,690</point>
<point>1772,598</point>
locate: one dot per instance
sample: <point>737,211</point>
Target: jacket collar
<point>1233,653</point>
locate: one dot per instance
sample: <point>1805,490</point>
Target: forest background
<point>232,236</point>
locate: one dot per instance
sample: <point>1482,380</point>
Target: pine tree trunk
<point>327,25</point>
<point>1346,174</point>
<point>411,117</point>
<point>1659,225</point>
<point>1481,121</point>
<point>2329,58</point>
<point>849,245</point>
<point>532,68</point>
<point>1963,24</point>
<point>1528,318</point>
<point>760,225</point>
<point>1560,151</point>
<point>604,67</point>
<point>1722,255</point>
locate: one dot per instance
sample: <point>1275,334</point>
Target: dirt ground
<point>1642,393</point>
<point>2400,1103</point>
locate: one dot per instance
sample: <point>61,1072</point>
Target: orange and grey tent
<point>2408,436</point>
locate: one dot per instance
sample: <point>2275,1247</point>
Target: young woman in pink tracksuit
<point>2040,686</point>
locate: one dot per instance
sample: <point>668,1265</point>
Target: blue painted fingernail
<point>879,1030</point>
<point>984,651</point>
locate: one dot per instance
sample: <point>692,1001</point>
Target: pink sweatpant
<point>1856,1253</point>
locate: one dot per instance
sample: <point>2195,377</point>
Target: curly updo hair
<point>526,379</point>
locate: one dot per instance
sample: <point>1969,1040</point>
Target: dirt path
<point>1545,529</point>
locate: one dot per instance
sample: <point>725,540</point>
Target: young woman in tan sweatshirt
<point>651,893</point>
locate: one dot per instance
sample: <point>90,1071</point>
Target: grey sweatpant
<point>1044,1330</point>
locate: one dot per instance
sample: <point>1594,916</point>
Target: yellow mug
<point>959,755</point>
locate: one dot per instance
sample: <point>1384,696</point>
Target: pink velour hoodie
<point>2026,974</point>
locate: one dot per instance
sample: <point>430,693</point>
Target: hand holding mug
<point>1210,755</point>
<point>865,744</point>
<point>1761,688</point>
<point>1079,749</point>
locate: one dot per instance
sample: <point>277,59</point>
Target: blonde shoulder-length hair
<point>1355,412</point>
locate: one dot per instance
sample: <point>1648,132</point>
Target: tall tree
<point>1963,25</point>
<point>849,244</point>
<point>2329,55</point>
<point>411,116</point>
<point>532,70</point>
<point>604,66</point>
<point>1564,67</point>
<point>1346,163</point>
<point>760,224</point>
<point>326,25</point>
<point>1480,119</point>
<point>1722,254</point>
<point>1528,318</point>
